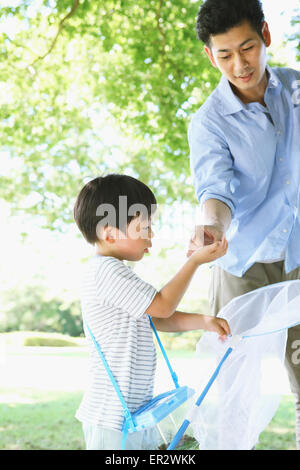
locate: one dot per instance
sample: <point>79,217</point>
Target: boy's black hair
<point>218,16</point>
<point>96,199</point>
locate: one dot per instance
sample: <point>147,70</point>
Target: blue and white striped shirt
<point>248,156</point>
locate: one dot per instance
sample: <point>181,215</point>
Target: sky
<point>278,14</point>
<point>57,256</point>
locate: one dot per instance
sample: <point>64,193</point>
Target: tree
<point>76,68</point>
<point>28,307</point>
<point>296,36</point>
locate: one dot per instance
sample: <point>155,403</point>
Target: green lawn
<point>40,420</point>
<point>34,418</point>
<point>280,434</point>
<point>45,420</point>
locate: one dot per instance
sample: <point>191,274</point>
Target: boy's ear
<point>112,234</point>
<point>107,235</point>
<point>209,54</point>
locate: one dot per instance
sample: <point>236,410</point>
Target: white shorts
<point>100,438</point>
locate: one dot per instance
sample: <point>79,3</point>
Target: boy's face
<point>240,55</point>
<point>132,245</point>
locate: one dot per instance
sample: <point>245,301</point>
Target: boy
<point>116,303</point>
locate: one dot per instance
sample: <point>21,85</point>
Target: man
<point>245,158</point>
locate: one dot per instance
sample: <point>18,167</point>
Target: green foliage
<point>72,74</point>
<point>186,341</point>
<point>296,36</point>
<point>44,341</point>
<point>15,340</point>
<point>73,71</point>
<point>29,308</point>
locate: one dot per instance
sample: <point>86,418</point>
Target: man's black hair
<point>96,199</point>
<point>218,16</point>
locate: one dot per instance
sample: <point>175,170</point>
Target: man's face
<point>240,55</point>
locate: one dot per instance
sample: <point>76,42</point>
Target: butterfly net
<point>248,389</point>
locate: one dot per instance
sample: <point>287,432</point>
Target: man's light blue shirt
<point>248,156</point>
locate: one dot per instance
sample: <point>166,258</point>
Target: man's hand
<point>204,235</point>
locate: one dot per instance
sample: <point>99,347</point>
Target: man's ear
<point>266,34</point>
<point>209,54</point>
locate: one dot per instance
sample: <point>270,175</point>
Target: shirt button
<point>287,182</point>
<point>281,159</point>
<point>279,132</point>
<point>285,230</point>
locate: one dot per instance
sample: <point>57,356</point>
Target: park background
<point>87,88</point>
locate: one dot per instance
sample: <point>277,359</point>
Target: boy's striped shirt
<point>114,301</point>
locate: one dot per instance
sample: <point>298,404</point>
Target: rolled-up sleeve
<point>211,164</point>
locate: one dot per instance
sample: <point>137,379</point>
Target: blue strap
<point>173,374</point>
<point>124,437</point>
<point>127,413</point>
<point>128,417</point>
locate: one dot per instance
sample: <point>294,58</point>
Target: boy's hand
<point>218,325</point>
<point>204,235</point>
<point>209,253</point>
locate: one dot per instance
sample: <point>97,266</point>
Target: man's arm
<point>212,169</point>
<point>216,213</point>
<point>216,220</point>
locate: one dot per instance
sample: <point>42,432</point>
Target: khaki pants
<point>224,287</point>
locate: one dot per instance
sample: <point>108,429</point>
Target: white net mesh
<point>247,391</point>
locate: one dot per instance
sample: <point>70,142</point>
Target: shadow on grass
<point>43,420</point>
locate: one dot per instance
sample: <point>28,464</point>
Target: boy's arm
<point>167,299</point>
<point>181,321</point>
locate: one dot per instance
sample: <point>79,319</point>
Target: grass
<point>43,418</point>
<point>40,420</point>
<point>280,434</point>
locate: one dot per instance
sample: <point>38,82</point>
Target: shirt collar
<point>274,81</point>
<point>231,103</point>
